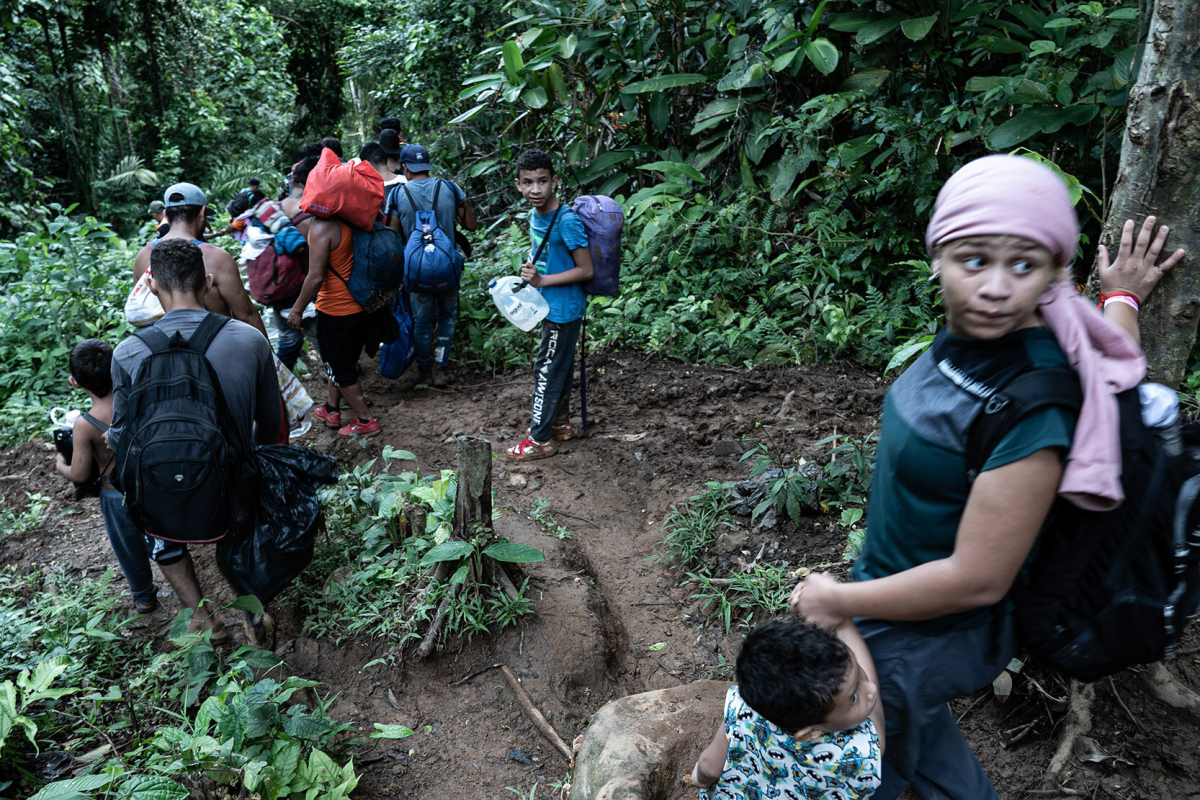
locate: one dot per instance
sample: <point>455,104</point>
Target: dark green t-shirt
<point>920,486</point>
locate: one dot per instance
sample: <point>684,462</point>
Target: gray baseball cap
<point>184,194</point>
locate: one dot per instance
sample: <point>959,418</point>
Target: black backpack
<point>181,464</point>
<point>1104,590</point>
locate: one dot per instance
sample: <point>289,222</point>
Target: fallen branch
<point>435,628</point>
<point>1113,685</point>
<point>505,582</point>
<point>535,716</point>
<point>1168,689</point>
<point>470,675</point>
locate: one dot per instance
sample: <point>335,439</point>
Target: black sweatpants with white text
<point>553,375</point>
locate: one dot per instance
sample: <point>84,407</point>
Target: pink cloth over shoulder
<point>1108,361</point>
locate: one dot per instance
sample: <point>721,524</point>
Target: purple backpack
<point>603,220</point>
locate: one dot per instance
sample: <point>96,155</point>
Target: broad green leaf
<point>447,551</point>
<point>558,83</point>
<point>75,789</point>
<point>675,168</point>
<point>530,36</point>
<point>1072,115</point>
<point>664,82</point>
<point>513,63</point>
<point>866,79</point>
<point>874,31</point>
<point>460,574</point>
<point>390,731</point>
<point>1020,128</point>
<point>903,354</point>
<point>567,45</point>
<point>823,55</point>
<point>390,452</point>
<point>918,28</point>
<point>306,726</point>
<point>1124,13</point>
<point>1123,66</point>
<point>1063,22</point>
<point>151,787</point>
<point>247,603</point>
<point>791,165</point>
<point>466,115</point>
<point>514,553</point>
<point>660,111</point>
<point>784,61</point>
<point>534,97</point>
<point>850,21</point>
<point>654,648</point>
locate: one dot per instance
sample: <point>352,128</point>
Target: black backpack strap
<point>202,339</point>
<point>154,339</point>
<point>437,192</point>
<point>546,238</point>
<point>1023,395</point>
<point>97,423</point>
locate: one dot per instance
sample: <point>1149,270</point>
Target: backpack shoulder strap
<point>546,237</point>
<point>202,339</point>
<point>1028,392</point>
<point>97,423</point>
<point>154,339</point>
<point>437,192</point>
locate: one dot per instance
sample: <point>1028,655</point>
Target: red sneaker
<point>332,419</point>
<point>529,450</point>
<point>356,428</point>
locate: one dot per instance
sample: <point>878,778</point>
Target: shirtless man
<point>187,211</point>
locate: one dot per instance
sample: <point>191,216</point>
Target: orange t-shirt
<point>334,298</point>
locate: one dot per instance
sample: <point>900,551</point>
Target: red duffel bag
<point>351,191</point>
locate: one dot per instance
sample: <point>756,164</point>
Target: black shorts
<point>341,341</point>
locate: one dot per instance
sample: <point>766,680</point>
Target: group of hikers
<point>926,616</point>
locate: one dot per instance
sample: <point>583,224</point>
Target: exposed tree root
<point>1167,688</point>
<point>1078,723</point>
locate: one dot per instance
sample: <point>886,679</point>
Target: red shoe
<point>332,419</point>
<point>529,450</point>
<point>356,428</point>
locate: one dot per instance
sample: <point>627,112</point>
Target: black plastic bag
<point>287,519</point>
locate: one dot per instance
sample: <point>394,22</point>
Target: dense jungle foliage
<point>777,161</point>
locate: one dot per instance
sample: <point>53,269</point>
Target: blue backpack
<point>378,267</point>
<point>396,357</point>
<point>431,262</point>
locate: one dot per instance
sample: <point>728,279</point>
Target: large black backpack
<point>181,464</point>
<point>1105,589</point>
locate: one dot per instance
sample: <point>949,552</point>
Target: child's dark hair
<point>790,673</point>
<point>177,266</point>
<point>534,159</point>
<point>91,366</point>
<point>333,144</point>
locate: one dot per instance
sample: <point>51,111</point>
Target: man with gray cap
<point>422,192</point>
<point>158,213</point>
<point>187,211</point>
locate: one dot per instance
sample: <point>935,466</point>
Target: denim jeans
<point>128,545</point>
<point>290,341</point>
<point>424,307</point>
<point>918,675</point>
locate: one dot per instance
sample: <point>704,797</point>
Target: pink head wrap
<point>1006,196</point>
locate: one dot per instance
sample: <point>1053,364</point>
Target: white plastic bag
<point>296,401</point>
<point>142,307</point>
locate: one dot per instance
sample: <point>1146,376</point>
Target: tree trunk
<point>1158,175</point>
<point>473,503</point>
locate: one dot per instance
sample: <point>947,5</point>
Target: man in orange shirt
<point>341,323</point>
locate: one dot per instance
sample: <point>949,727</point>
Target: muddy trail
<point>603,604</point>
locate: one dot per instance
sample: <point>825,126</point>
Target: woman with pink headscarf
<point>941,552</point>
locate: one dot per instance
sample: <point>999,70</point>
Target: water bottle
<point>64,426</point>
<point>520,303</point>
<point>1160,413</point>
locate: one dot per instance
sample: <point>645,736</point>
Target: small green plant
<point>850,469</point>
<point>13,522</point>
<point>541,514</point>
<point>791,489</point>
<point>746,597</point>
<point>692,528</point>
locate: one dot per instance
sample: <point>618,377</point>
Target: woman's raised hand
<point>1135,270</point>
<point>812,599</point>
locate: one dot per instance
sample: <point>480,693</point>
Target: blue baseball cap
<point>184,194</point>
<point>416,158</point>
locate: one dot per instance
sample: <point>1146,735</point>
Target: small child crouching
<point>803,721</point>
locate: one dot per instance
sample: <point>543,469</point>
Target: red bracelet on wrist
<point>1130,299</point>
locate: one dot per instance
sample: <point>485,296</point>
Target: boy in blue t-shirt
<point>559,263</point>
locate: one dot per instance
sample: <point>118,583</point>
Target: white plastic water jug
<point>520,303</point>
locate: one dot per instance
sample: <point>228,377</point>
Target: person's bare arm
<point>1134,271</point>
<point>228,283</point>
<point>320,244</point>
<point>848,633</point>
<point>1003,516</point>
<point>141,262</point>
<point>712,761</point>
<point>466,216</point>
<point>582,271</point>
<point>82,454</point>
